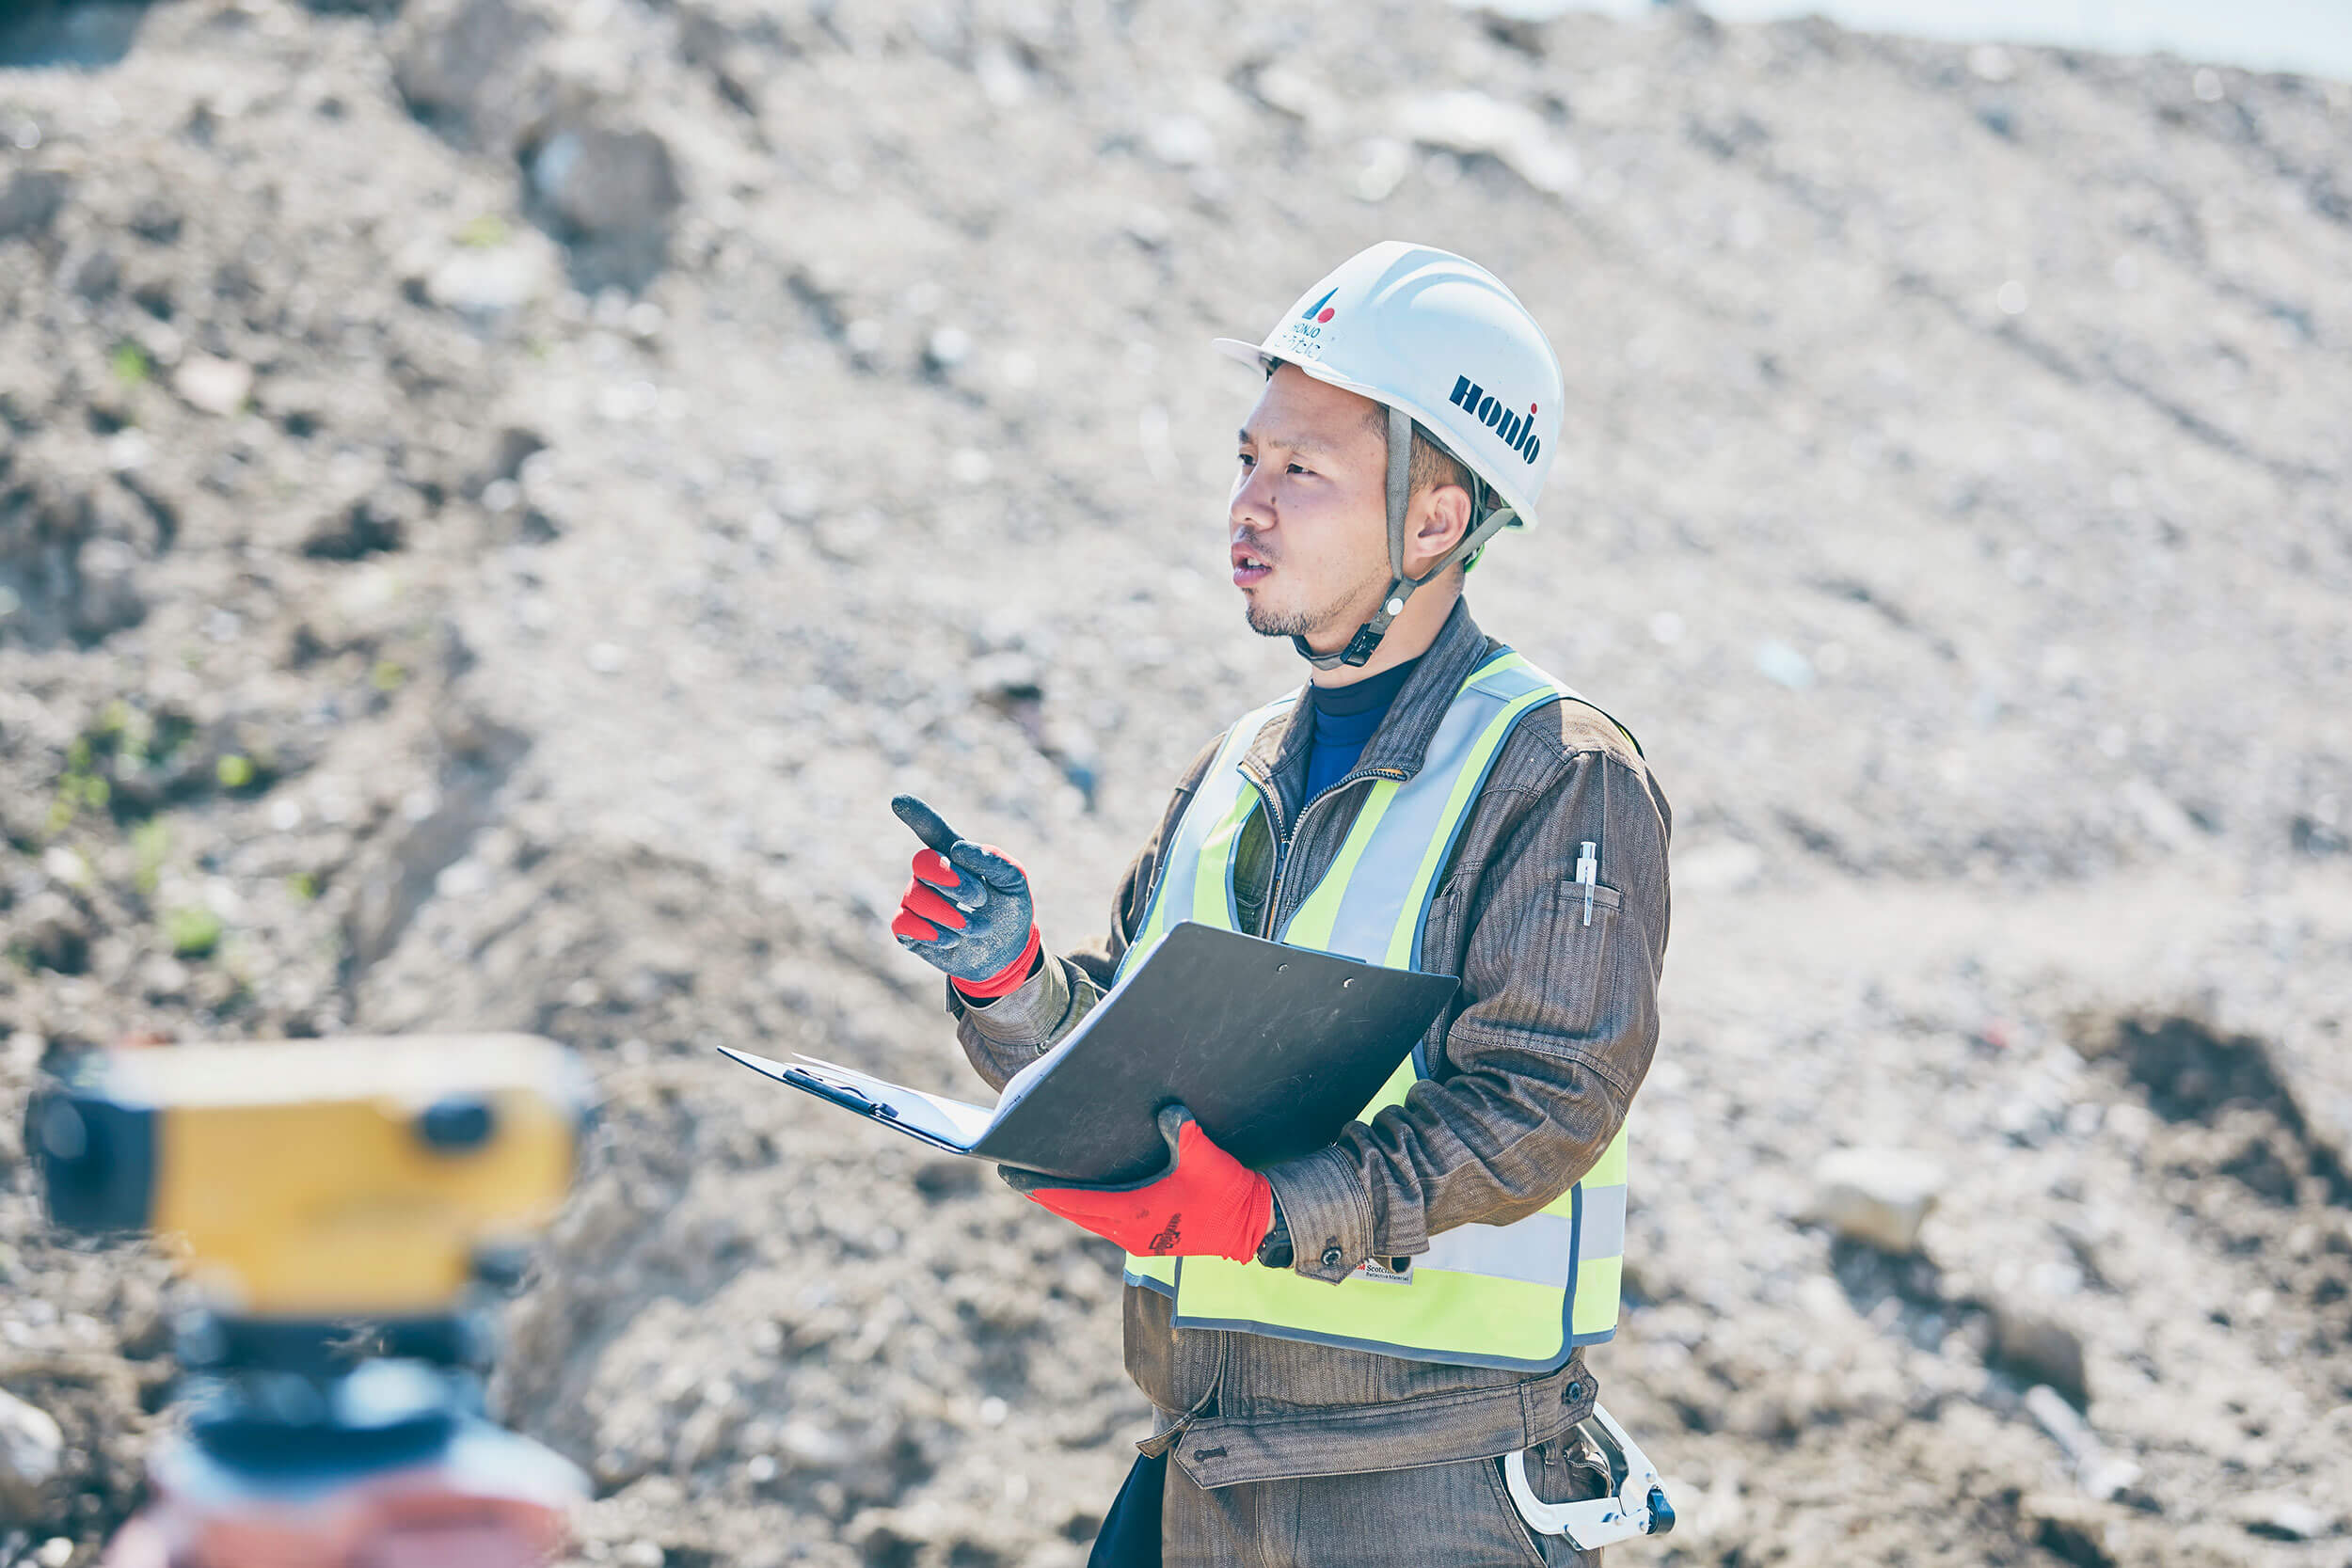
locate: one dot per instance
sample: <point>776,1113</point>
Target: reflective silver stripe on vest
<point>1604,1222</point>
<point>1536,1250</point>
<point>1381,885</point>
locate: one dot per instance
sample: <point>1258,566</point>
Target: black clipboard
<point>1272,1049</point>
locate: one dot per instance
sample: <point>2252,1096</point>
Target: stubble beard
<point>1269,622</point>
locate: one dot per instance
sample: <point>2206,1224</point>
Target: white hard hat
<point>1440,338</point>
<point>1438,341</point>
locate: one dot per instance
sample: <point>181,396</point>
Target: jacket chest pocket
<point>1561,976</point>
<point>1574,945</point>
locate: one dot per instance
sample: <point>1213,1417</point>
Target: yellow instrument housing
<point>354,1177</point>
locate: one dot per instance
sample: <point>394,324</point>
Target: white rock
<point>1783,665</point>
<point>213,385</point>
<point>1181,141</point>
<point>949,346</point>
<point>2159,813</point>
<point>1386,162</point>
<point>127,449</point>
<point>491,281</point>
<point>1991,63</point>
<point>1718,866</point>
<point>2282,1517</point>
<point>1519,137</point>
<point>31,1448</point>
<point>1877,1196</point>
<point>1299,95</point>
<point>2100,1474</point>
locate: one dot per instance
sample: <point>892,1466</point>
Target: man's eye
<point>1301,468</point>
<point>1247,461</point>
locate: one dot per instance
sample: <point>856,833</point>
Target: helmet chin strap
<point>1362,646</point>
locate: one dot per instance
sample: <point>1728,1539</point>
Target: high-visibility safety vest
<point>1520,1295</point>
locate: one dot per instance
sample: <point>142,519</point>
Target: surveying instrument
<point>343,1213</point>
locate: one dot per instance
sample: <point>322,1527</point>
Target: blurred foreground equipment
<point>339,1208</point>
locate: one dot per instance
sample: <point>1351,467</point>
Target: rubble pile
<point>496,495</point>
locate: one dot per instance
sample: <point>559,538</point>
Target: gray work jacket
<point>1532,1066</point>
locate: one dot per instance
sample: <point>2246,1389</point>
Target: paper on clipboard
<point>932,1117</point>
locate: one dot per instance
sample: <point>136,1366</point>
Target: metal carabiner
<point>1636,1503</point>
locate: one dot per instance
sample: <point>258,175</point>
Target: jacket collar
<point>1278,755</point>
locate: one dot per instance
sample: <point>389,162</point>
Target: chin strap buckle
<point>1362,646</point>
<point>1366,642</point>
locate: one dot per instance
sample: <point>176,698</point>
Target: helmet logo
<point>1516,430</point>
<point>1303,338</point>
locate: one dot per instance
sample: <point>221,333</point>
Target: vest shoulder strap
<point>1517,667</point>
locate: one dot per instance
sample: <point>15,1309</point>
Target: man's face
<point>1309,515</point>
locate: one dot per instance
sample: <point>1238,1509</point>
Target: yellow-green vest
<point>1520,1296</point>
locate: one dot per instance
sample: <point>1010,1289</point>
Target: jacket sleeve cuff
<point>1328,1211</point>
<point>1027,1019</point>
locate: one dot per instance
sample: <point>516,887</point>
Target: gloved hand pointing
<point>967,910</point>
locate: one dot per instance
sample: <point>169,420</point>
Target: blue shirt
<point>1345,718</point>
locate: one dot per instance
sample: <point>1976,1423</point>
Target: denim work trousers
<point>1458,1515</point>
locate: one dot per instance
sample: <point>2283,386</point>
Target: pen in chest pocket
<point>1588,874</point>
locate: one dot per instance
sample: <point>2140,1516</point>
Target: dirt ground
<point>496,495</point>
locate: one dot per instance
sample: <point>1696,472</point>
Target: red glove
<point>966,909</point>
<point>1207,1205</point>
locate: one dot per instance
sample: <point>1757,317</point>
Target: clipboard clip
<point>841,1094</point>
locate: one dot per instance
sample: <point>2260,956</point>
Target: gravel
<point>495,498</point>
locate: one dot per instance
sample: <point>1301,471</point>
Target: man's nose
<point>1253,504</point>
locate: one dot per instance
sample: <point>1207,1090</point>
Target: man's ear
<point>1436,522</point>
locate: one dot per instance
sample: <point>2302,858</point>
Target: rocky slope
<point>495,496</point>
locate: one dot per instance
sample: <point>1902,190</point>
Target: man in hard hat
<point>1356,1338</point>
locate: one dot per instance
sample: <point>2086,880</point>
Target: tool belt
<point>1220,1450</point>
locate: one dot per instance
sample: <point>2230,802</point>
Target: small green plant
<point>387,676</point>
<point>79,788</point>
<point>304,886</point>
<point>126,733</point>
<point>234,771</point>
<point>130,365</point>
<point>150,842</point>
<point>483,232</point>
<point>192,932</point>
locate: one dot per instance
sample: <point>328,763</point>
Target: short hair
<point>1430,464</point>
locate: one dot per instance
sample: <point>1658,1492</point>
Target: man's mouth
<point>1249,567</point>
